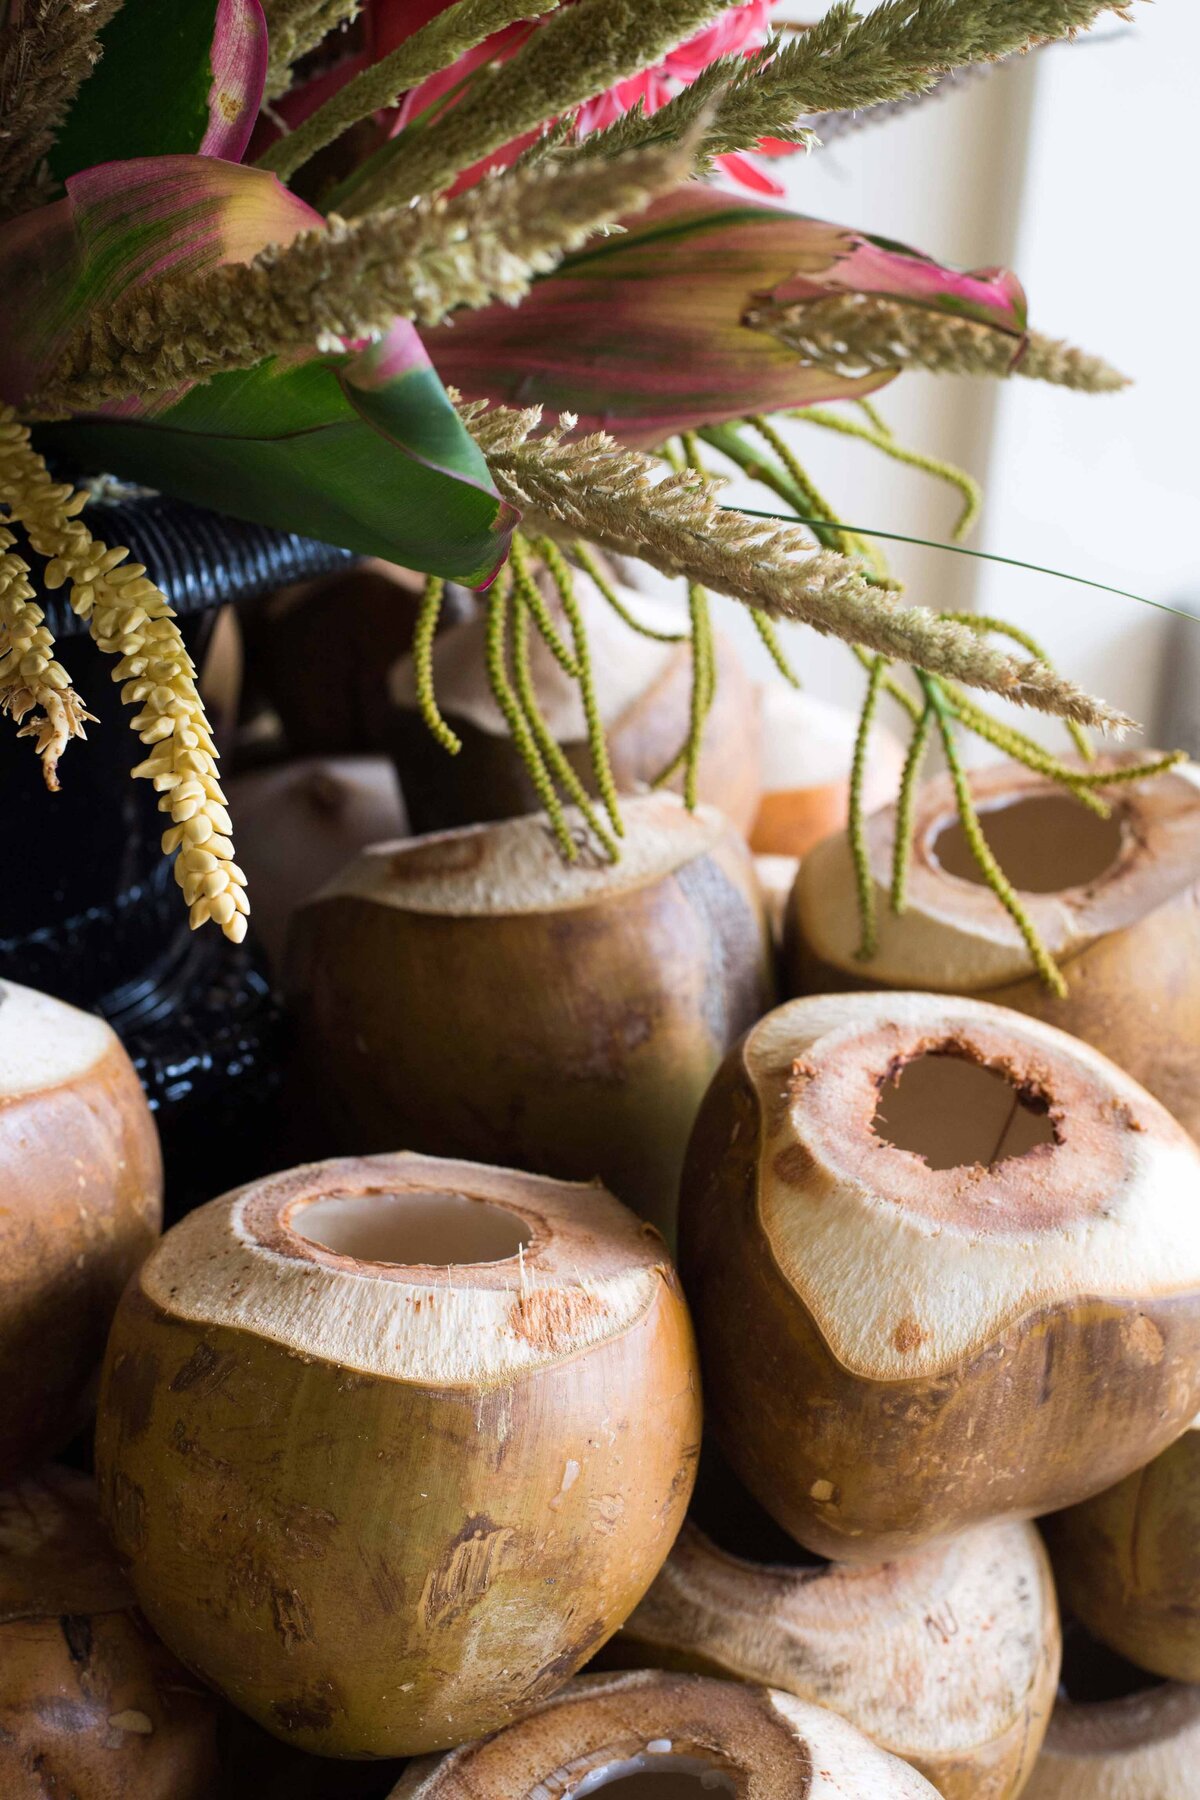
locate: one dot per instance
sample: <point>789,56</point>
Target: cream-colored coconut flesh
<point>44,1043</point>
<point>948,1658</point>
<point>472,993</point>
<point>81,1180</point>
<point>994,1319</point>
<point>515,866</point>
<point>1114,900</point>
<point>653,1736</point>
<point>1143,1747</point>
<point>642,689</point>
<point>392,1444</point>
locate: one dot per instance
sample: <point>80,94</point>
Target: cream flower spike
<point>130,618</point>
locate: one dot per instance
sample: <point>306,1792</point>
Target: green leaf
<point>175,75</point>
<point>366,452</point>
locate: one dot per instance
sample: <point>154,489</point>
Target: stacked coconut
<point>394,1444</point>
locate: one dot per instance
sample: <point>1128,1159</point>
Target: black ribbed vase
<point>89,907</point>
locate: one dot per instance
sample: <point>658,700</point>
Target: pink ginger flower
<point>387,23</point>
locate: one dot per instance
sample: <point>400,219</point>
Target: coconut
<point>669,1737</point>
<point>473,994</point>
<point>945,1267</point>
<point>82,1186</point>
<point>1116,901</point>
<point>643,697</point>
<point>948,1658</point>
<point>1128,1562</point>
<point>808,749</point>
<point>391,1445</point>
<point>1116,1732</point>
<point>300,822</point>
<point>90,1703</point>
<point>1144,1747</point>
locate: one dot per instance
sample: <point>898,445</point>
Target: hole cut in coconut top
<point>425,1228</point>
<point>520,1269</point>
<point>953,934</point>
<point>656,1774</point>
<point>650,1735</point>
<point>1045,843</point>
<point>905,1268</point>
<point>956,1113</point>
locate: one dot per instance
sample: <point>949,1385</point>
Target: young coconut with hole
<point>391,1445</point>
<point>1117,1733</point>
<point>642,681</point>
<point>945,1267</point>
<point>649,1736</point>
<point>1115,900</point>
<point>1128,1562</point>
<point>82,1187</point>
<point>948,1658</point>
<point>90,1703</point>
<point>473,994</point>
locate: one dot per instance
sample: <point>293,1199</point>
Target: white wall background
<point>1077,168</point>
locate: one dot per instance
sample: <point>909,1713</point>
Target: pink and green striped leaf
<point>361,447</point>
<point>175,76</point>
<point>642,334</point>
<point>120,225</point>
<point>361,450</point>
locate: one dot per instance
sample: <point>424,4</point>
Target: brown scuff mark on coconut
<point>1127,938</point>
<point>1056,1292</point>
<point>474,993</point>
<point>948,1658</point>
<point>729,1738</point>
<point>398,1498</point>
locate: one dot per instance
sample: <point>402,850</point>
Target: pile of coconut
<point>631,1377</point>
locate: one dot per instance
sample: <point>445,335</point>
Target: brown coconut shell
<point>300,822</point>
<point>808,748</point>
<point>1144,1746</point>
<point>895,1351</point>
<point>81,1177</point>
<point>949,1659</point>
<point>91,1704</point>
<point>1128,1562</point>
<point>1124,924</point>
<point>471,993</point>
<point>669,1737</point>
<point>384,1504</point>
<point>643,694</point>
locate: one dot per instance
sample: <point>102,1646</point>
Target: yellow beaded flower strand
<point>130,618</point>
<point>31,680</point>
